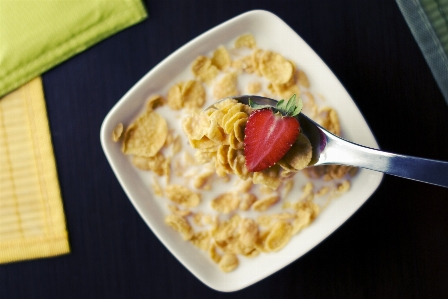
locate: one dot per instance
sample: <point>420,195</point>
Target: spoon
<point>331,149</point>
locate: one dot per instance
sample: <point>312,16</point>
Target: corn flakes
<point>146,135</point>
<point>247,200</point>
<point>302,79</point>
<point>226,86</point>
<point>225,203</point>
<point>221,58</point>
<point>155,163</point>
<point>182,195</point>
<point>117,132</point>
<point>201,240</point>
<point>193,94</point>
<point>279,236</point>
<point>154,102</point>
<point>254,87</point>
<point>228,262</point>
<point>246,41</point>
<point>275,68</point>
<point>331,120</point>
<point>204,70</point>
<point>265,203</point>
<point>181,225</point>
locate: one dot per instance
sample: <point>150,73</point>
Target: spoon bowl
<point>331,149</point>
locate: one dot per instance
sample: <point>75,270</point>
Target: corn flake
<point>181,225</point>
<point>221,58</point>
<point>226,86</point>
<point>275,68</point>
<point>269,177</point>
<point>201,240</point>
<point>117,132</point>
<point>246,41</point>
<point>204,70</point>
<point>154,102</point>
<point>228,262</point>
<point>265,203</point>
<point>279,236</point>
<point>193,94</point>
<point>225,203</point>
<point>182,195</point>
<point>247,200</point>
<point>146,135</point>
<point>300,153</point>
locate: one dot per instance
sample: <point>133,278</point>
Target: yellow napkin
<point>32,223</point>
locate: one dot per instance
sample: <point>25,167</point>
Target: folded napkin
<point>37,35</point>
<point>32,220</point>
<point>428,21</point>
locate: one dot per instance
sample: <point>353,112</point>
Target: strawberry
<point>270,133</point>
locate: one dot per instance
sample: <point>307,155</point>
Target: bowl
<point>270,33</point>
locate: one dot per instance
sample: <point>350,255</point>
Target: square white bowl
<point>270,33</point>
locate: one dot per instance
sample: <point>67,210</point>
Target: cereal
<point>226,86</point>
<point>213,254</point>
<point>257,212</point>
<point>221,58</point>
<point>225,203</point>
<point>254,87</point>
<point>177,145</point>
<point>265,203</point>
<point>279,236</point>
<point>158,191</point>
<point>302,79</point>
<point>343,187</point>
<point>117,132</point>
<point>154,102</point>
<point>193,94</point>
<point>202,180</point>
<point>182,195</point>
<point>181,225</point>
<point>275,68</point>
<point>246,40</point>
<point>174,99</point>
<point>204,70</point>
<point>300,154</point>
<point>248,232</point>
<point>302,220</point>
<point>269,177</point>
<point>146,135</point>
<point>247,200</point>
<point>228,262</point>
<point>330,120</point>
<point>155,163</point>
<point>289,184</point>
<point>201,240</point>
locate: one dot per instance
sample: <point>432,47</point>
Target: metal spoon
<point>331,149</point>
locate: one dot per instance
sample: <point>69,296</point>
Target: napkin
<point>428,21</point>
<point>37,35</point>
<point>32,223</point>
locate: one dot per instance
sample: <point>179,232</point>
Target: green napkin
<point>428,21</point>
<point>36,35</point>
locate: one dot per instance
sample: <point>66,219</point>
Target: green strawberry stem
<point>291,107</point>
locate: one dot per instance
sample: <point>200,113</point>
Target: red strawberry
<point>270,133</point>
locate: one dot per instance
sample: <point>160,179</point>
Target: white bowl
<point>270,33</point>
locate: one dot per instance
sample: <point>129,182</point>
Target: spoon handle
<point>419,169</point>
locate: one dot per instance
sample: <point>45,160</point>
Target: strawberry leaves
<point>291,107</point>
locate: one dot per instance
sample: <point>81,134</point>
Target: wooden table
<point>395,246</point>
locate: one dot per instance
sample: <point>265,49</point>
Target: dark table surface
<point>394,246</point>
